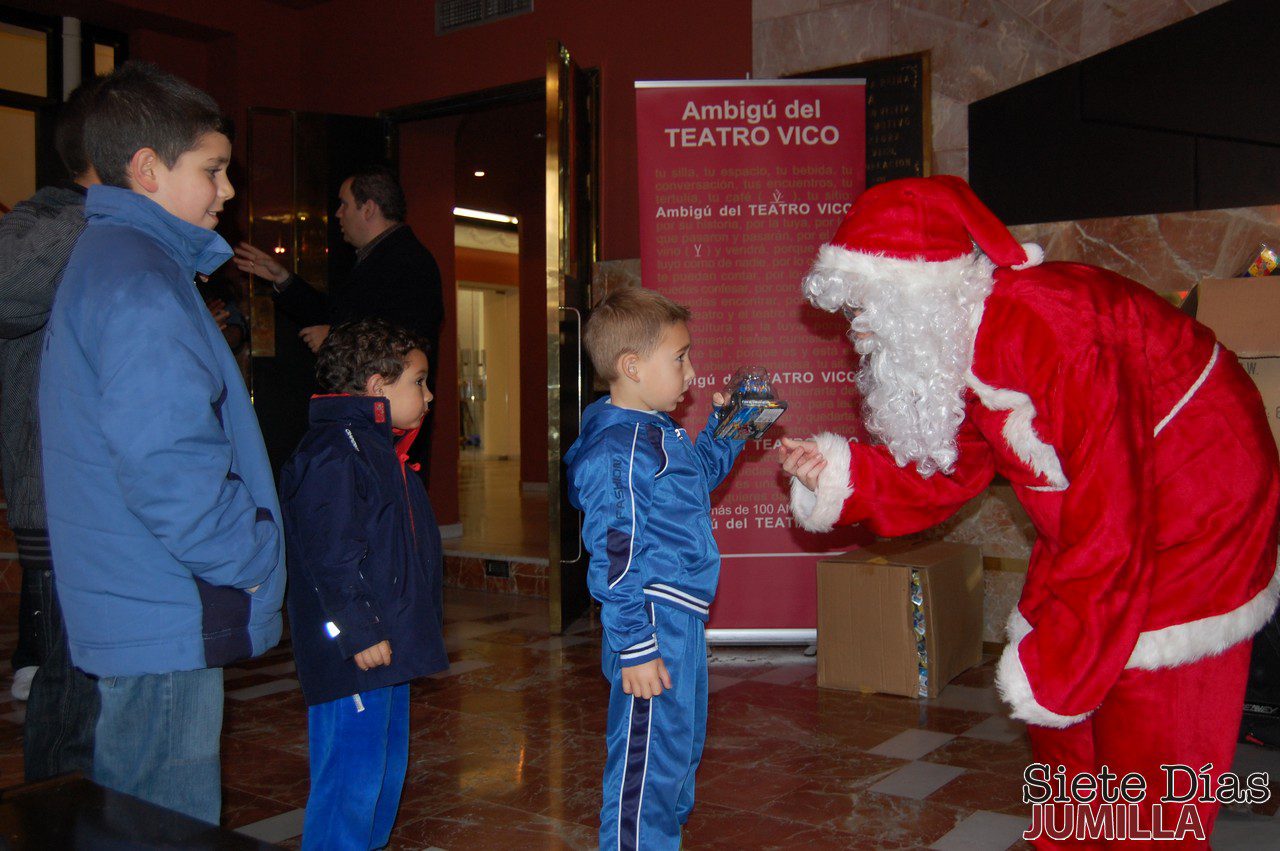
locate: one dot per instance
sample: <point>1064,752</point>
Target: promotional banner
<point>740,183</point>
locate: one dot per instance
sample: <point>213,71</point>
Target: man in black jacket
<point>395,277</point>
<point>35,243</point>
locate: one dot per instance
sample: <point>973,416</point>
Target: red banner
<point>740,182</point>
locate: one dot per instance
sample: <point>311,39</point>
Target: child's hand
<point>802,459</point>
<point>718,400</point>
<point>375,656</point>
<point>647,680</point>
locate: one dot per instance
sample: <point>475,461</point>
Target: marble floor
<point>507,750</point>
<point>500,518</point>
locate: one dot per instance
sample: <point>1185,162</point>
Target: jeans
<point>359,747</point>
<point>157,739</point>
<point>62,710</point>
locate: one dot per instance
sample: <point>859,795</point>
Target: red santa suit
<point>1140,450</point>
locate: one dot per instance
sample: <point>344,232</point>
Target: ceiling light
<point>463,212</point>
<point>478,173</point>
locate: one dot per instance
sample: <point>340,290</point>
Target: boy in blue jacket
<point>162,511</point>
<point>365,608</point>
<point>645,489</point>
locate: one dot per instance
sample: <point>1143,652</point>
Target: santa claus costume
<point>1136,443</point>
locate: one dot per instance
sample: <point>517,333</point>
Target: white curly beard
<point>920,321</point>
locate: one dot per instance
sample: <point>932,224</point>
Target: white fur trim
<point>1035,256</point>
<point>1188,642</point>
<point>1019,432</point>
<point>1015,688</point>
<point>838,275</point>
<point>818,511</point>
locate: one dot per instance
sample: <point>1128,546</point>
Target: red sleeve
<point>1079,619</point>
<point>862,483</point>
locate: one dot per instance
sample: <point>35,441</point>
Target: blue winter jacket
<point>364,552</point>
<point>645,489</point>
<point>162,510</point>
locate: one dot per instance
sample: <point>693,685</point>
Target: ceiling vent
<point>458,14</point>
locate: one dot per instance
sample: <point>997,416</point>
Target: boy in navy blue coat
<point>645,489</point>
<point>364,598</point>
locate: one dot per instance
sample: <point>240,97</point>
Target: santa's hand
<point>803,460</point>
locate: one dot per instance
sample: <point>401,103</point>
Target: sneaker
<point>22,682</point>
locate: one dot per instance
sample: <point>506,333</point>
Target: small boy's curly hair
<point>353,351</point>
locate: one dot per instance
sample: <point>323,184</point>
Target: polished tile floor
<point>499,518</point>
<point>507,750</point>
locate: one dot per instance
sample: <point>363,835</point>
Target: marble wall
<point>977,47</point>
<point>981,47</point>
<point>1168,252</point>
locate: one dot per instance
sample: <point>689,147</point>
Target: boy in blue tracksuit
<point>645,489</point>
<point>365,608</point>
<point>162,510</point>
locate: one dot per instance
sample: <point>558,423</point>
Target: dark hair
<point>379,185</point>
<point>139,106</point>
<point>353,351</point>
<point>68,134</point>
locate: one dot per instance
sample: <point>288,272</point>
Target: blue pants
<point>655,745</point>
<point>157,739</point>
<point>359,754</point>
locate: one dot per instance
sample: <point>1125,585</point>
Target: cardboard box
<point>866,636</point>
<point>1245,314</point>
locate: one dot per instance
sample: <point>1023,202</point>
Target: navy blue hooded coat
<point>363,551</point>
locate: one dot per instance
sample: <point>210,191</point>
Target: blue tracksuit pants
<point>655,745</point>
<point>359,749</point>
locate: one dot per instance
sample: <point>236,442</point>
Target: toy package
<point>752,407</point>
<point>1264,263</point>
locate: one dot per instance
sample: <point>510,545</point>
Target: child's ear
<point>143,170</point>
<point>629,366</point>
<point>374,385</point>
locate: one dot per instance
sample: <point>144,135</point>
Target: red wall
<point>357,61</point>
<point>360,57</point>
<point>428,149</point>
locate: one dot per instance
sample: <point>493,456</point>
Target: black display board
<point>898,127</point>
<point>1179,119</point>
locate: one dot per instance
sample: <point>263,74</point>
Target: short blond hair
<point>628,321</point>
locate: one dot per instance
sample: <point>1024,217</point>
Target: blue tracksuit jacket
<point>645,489</point>
<point>162,508</point>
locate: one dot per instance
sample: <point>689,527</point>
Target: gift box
<point>1244,313</point>
<point>899,617</point>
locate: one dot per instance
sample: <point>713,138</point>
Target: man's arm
<point>160,416</point>
<point>35,244</point>
<point>300,301</point>
<point>1097,566</point>
<point>862,483</point>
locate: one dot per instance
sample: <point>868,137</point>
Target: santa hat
<point>919,232</point>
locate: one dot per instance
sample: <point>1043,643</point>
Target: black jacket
<point>363,553</point>
<point>36,239</point>
<point>398,281</point>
